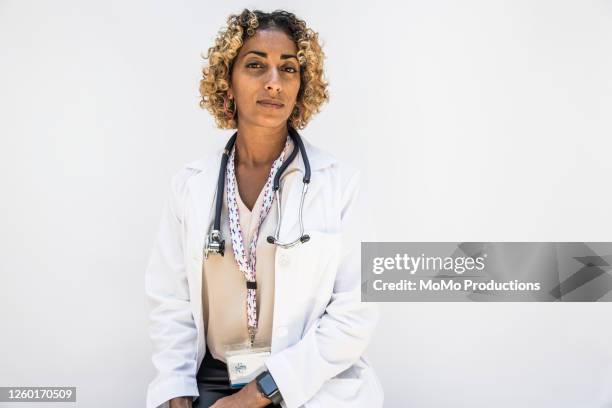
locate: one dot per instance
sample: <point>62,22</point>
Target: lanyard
<point>247,264</point>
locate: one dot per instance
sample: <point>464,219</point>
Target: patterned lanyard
<point>247,265</point>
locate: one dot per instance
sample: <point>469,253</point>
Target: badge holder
<point>245,362</point>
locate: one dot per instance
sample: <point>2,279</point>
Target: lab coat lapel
<point>202,189</point>
<point>290,223</point>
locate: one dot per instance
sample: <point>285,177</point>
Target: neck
<point>259,146</point>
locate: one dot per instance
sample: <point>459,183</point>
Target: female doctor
<point>258,244</point>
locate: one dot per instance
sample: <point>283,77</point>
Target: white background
<point>472,121</point>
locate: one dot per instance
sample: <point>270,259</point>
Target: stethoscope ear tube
<point>298,140</point>
<point>214,243</point>
<point>221,180</point>
<point>286,163</point>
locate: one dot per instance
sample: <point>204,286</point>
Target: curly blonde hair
<point>216,76</point>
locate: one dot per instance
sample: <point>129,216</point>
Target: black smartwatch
<point>267,386</point>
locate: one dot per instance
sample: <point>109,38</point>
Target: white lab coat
<point>320,326</point>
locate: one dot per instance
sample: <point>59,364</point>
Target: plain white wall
<point>472,121</point>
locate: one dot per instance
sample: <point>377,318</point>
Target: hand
<point>181,402</point>
<point>248,397</point>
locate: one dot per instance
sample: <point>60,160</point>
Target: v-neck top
<point>223,284</point>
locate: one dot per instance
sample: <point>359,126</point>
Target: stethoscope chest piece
<point>214,244</point>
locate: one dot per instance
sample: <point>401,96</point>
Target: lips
<point>270,103</point>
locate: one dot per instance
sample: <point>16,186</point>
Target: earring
<point>226,108</point>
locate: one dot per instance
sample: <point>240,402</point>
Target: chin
<point>270,122</point>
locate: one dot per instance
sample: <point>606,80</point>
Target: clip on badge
<point>244,362</point>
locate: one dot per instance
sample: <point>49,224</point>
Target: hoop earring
<point>295,113</point>
<point>226,108</point>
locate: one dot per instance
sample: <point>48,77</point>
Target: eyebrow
<point>263,54</point>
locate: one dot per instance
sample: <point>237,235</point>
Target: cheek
<point>243,90</point>
<point>294,88</point>
<point>241,83</point>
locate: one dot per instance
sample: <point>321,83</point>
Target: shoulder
<point>342,181</point>
<point>205,163</point>
<point>345,173</point>
<point>180,180</point>
<point>341,177</point>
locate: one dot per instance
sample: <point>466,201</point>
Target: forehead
<point>274,42</point>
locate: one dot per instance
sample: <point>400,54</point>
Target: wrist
<point>181,402</point>
<point>267,386</point>
<point>257,398</point>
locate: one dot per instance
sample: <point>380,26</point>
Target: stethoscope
<point>214,242</point>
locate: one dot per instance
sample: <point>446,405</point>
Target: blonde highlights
<point>216,75</point>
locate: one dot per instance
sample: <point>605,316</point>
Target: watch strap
<point>274,395</point>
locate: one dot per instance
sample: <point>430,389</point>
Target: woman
<point>264,79</point>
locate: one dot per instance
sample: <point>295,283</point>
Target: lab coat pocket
<point>339,392</point>
<point>342,389</point>
<point>355,387</point>
<point>317,261</point>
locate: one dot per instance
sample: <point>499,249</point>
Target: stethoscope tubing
<point>298,146</point>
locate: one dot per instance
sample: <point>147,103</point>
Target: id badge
<point>244,362</point>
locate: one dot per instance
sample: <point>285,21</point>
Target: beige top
<point>224,285</point>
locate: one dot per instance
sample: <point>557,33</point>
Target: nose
<point>273,82</point>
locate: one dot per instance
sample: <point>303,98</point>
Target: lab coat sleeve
<point>340,336</point>
<point>171,326</point>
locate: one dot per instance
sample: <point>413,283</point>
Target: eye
<point>251,65</point>
<point>291,69</point>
